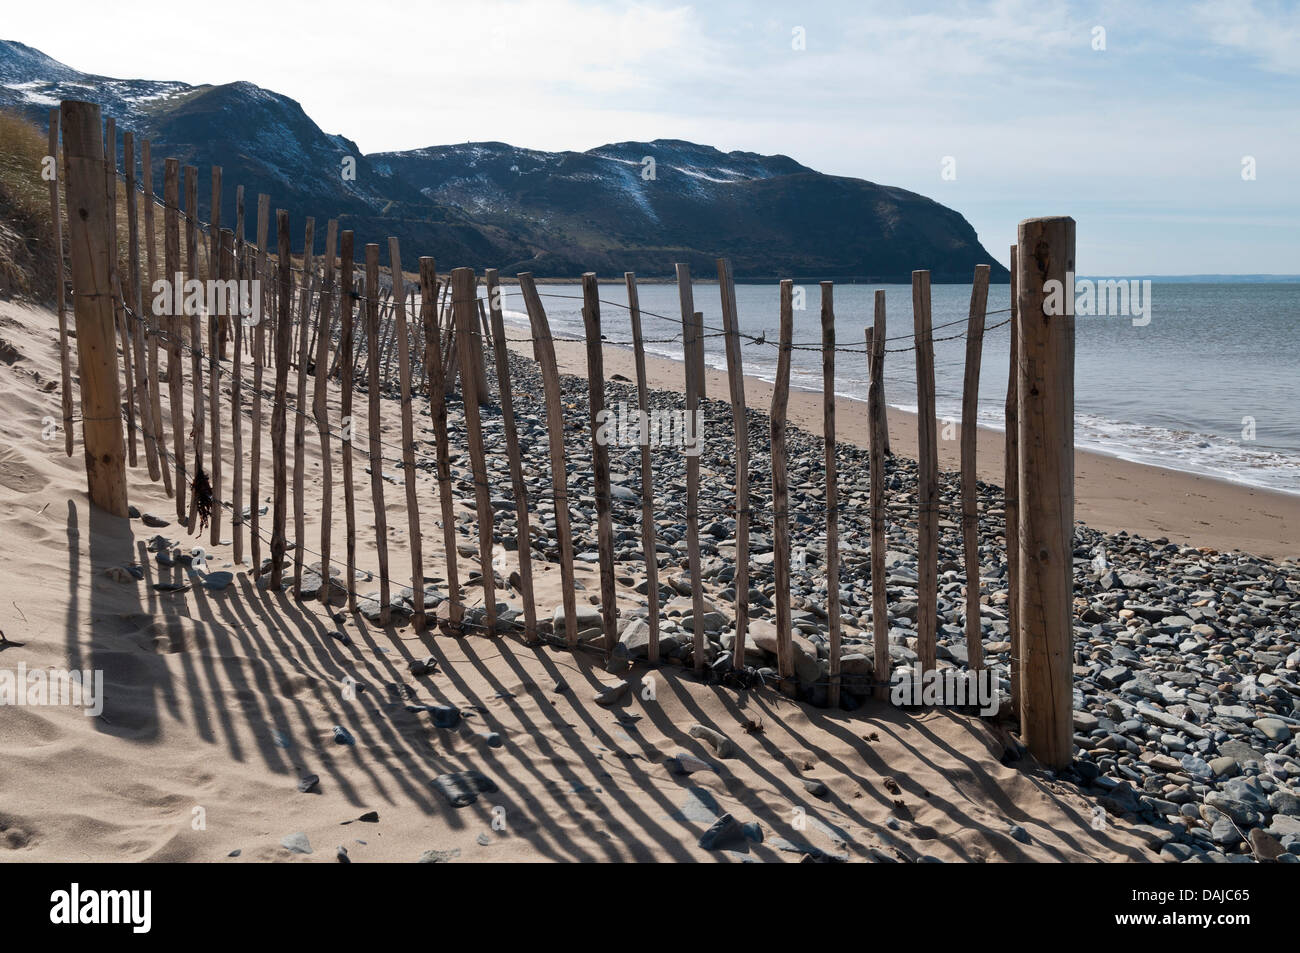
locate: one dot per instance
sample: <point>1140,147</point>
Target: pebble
<point>296,843</point>
<point>720,742</point>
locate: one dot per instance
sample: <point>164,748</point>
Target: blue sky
<point>1143,142</point>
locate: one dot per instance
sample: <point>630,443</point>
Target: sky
<point>1169,130</point>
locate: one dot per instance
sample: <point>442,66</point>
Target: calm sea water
<point>1180,392</point>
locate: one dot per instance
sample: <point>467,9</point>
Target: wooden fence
<point>433,332</point>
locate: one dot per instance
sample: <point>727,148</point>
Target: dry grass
<point>27,265</point>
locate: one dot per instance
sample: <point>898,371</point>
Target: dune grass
<point>27,265</point>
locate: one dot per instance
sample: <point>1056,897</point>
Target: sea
<point>1206,381</point>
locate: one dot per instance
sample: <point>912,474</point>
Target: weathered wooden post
<point>781,493</point>
<point>970,517</point>
<point>740,424</point>
<point>56,219</point>
<point>372,428</point>
<point>647,469</point>
<point>283,332</point>
<point>600,460</point>
<point>927,480</point>
<point>91,251</point>
<point>877,429</point>
<point>1045,398</point>
<point>1011,492</point>
<point>408,432</point>
<point>520,487</point>
<point>832,488</point>
<point>464,292</point>
<point>544,351</point>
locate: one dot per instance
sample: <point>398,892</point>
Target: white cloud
<point>1270,37</point>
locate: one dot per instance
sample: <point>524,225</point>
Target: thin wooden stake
<point>320,411</point>
<point>259,331</point>
<point>123,322</point>
<point>376,449</point>
<point>694,413</point>
<point>238,266</point>
<point>196,336</point>
<point>740,424</point>
<point>832,488</point>
<point>647,472</point>
<point>927,484</point>
<point>544,351</point>
<point>214,392</point>
<point>875,430</point>
<point>222,334</point>
<point>347,297</point>
<point>970,516</point>
<point>175,327</point>
<point>408,435</point>
<point>463,295</point>
<point>155,319</point>
<point>1011,489</point>
<point>56,217</point>
<point>600,461</point>
<point>781,491</point>
<point>283,339</point>
<point>135,319</point>
<point>512,449</point>
<point>300,407</point>
<point>438,412</point>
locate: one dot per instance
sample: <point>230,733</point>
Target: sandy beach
<point>244,725</point>
<point>217,704</point>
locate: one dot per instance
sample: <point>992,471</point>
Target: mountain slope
<point>612,209</point>
<point>624,206</point>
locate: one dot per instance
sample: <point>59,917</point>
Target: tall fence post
<point>347,299</point>
<point>464,292</point>
<point>1045,397</point>
<point>522,523</point>
<point>56,219</point>
<point>832,488</point>
<point>300,404</point>
<point>175,333</point>
<point>600,458</point>
<point>927,483</point>
<point>781,492</point>
<point>372,427</point>
<point>283,333</point>
<point>970,517</point>
<point>438,413</point>
<point>151,271</point>
<point>259,332</point>
<point>544,351</point>
<point>320,413</point>
<point>408,431</point>
<point>647,469</point>
<point>876,431</point>
<point>101,415</point>
<point>740,424</point>
<point>694,384</point>
<point>197,414</point>
<point>1011,490</point>
<point>135,316</point>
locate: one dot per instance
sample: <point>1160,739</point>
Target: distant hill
<point>608,210</point>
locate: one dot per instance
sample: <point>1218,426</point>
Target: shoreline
<point>1111,494</point>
